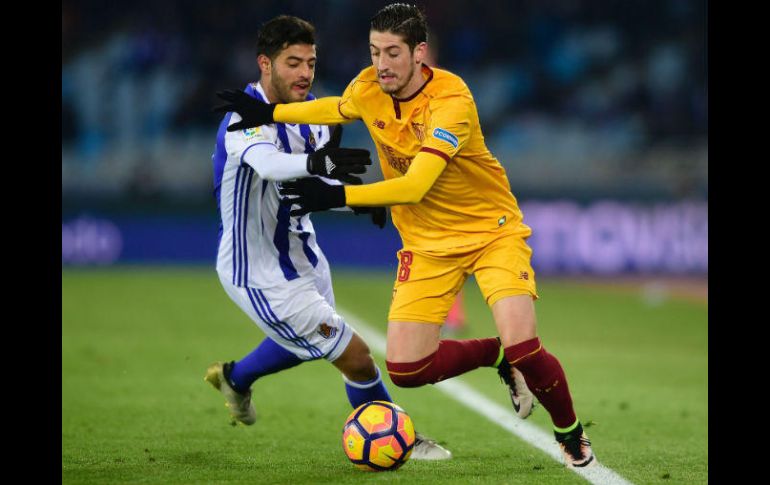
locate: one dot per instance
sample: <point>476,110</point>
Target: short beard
<point>403,85</point>
<point>396,89</point>
<point>282,91</point>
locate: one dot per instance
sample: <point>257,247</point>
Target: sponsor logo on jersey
<point>327,331</point>
<point>379,124</point>
<point>523,275</point>
<point>444,135</point>
<point>397,162</point>
<point>250,133</point>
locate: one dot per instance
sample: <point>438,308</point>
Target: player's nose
<point>382,64</point>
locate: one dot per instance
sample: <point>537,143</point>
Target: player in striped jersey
<point>268,261</point>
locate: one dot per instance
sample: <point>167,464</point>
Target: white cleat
<point>427,449</point>
<point>239,404</point>
<point>521,397</point>
<point>523,400</point>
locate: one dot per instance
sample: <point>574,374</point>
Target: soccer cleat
<point>576,448</point>
<point>238,403</point>
<point>521,397</point>
<point>427,449</point>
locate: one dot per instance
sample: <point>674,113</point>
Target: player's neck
<point>415,84</point>
<point>269,94</point>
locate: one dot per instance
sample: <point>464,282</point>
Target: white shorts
<point>298,315</point>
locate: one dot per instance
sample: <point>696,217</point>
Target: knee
<point>359,367</point>
<point>412,374</point>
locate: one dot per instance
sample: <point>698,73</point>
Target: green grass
<point>135,409</point>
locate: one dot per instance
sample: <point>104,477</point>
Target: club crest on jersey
<point>419,131</point>
<point>444,135</point>
<point>327,331</point>
<point>311,140</point>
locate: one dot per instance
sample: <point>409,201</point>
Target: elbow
<point>268,172</point>
<point>412,199</point>
<point>270,177</point>
<point>414,195</point>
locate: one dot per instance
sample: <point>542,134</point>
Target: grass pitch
<point>135,408</point>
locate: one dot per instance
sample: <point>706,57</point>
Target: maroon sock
<point>453,357</point>
<point>460,356</point>
<point>545,378</point>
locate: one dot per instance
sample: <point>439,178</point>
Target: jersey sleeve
<point>260,149</point>
<point>347,106</point>
<point>450,125</point>
<point>409,189</point>
<point>330,110</point>
<point>237,142</point>
<point>321,111</point>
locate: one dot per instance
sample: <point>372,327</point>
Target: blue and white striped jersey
<point>260,244</point>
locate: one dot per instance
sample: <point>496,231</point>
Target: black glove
<point>253,111</point>
<point>379,215</point>
<point>313,194</point>
<point>338,163</point>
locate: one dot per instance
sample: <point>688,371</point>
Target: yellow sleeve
<point>450,124</point>
<point>347,106</point>
<point>409,189</point>
<point>330,110</point>
<point>321,111</point>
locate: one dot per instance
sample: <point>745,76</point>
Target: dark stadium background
<point>598,110</point>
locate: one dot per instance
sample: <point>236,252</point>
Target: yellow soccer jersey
<point>471,201</point>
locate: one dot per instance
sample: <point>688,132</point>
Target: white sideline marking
<point>502,416</point>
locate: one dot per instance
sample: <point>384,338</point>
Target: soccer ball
<point>378,436</point>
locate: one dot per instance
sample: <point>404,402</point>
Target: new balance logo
<point>329,165</point>
<point>523,275</point>
<point>378,123</point>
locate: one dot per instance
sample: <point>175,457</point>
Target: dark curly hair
<point>281,32</point>
<point>402,19</point>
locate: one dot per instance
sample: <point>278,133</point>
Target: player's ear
<point>265,64</point>
<point>420,51</point>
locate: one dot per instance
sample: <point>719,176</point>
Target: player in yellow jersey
<point>453,207</point>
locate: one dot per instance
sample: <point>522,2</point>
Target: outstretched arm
<point>322,111</point>
<point>409,189</point>
<point>315,195</point>
<point>262,154</point>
